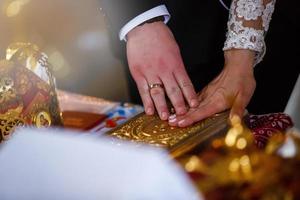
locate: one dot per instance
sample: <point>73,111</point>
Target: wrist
<point>157,13</point>
<point>240,60</point>
<point>145,28</point>
<point>153,20</point>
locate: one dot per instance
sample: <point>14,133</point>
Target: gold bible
<point>151,130</point>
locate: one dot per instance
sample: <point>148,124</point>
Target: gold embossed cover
<point>151,130</point>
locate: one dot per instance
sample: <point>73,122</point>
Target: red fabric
<point>265,126</point>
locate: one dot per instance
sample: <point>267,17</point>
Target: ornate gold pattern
<point>24,83</point>
<point>27,86</point>
<point>21,52</point>
<point>151,130</point>
<point>9,121</point>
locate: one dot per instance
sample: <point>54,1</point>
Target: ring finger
<point>158,97</point>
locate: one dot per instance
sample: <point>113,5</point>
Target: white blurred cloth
<point>293,106</point>
<point>40,164</point>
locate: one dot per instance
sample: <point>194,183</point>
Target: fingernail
<point>194,103</point>
<point>149,111</point>
<point>172,120</point>
<point>182,123</point>
<point>164,115</point>
<point>172,117</point>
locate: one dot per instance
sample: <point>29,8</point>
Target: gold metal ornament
<point>9,121</point>
<point>30,56</point>
<point>156,85</point>
<point>27,90</point>
<point>151,130</point>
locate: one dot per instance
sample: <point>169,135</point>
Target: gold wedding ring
<point>156,85</point>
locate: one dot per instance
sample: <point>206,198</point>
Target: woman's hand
<point>231,89</point>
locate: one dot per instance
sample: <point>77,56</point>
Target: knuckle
<point>143,90</point>
<point>174,91</point>
<point>161,61</point>
<point>186,84</point>
<point>179,103</point>
<point>179,106</point>
<point>135,67</point>
<point>162,108</point>
<point>136,75</point>
<point>222,102</point>
<point>143,93</point>
<point>156,92</point>
<point>163,66</point>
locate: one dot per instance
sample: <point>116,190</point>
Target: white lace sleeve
<point>248,22</point>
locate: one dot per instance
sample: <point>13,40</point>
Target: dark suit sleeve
<point>120,12</point>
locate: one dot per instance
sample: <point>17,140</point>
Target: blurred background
<point>74,36</point>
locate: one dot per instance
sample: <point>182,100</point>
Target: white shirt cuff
<point>150,14</point>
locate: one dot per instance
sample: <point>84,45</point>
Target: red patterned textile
<point>265,126</point>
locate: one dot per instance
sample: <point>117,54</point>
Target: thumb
<point>239,105</point>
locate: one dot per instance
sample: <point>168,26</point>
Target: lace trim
<point>240,36</point>
<point>249,9</point>
<point>267,15</point>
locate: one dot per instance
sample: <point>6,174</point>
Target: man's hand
<point>232,89</point>
<point>154,58</point>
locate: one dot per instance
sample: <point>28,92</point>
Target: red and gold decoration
<point>265,126</point>
<point>27,90</point>
<point>238,166</point>
<point>242,161</point>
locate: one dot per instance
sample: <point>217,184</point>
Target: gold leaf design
<point>151,130</point>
